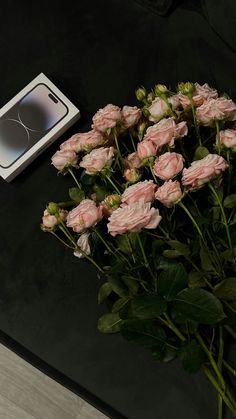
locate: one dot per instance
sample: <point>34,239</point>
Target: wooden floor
<point>26,393</point>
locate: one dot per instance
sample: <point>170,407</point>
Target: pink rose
<point>132,218</point>
<point>63,159</point>
<point>132,175</point>
<point>83,246</point>
<point>106,118</point>
<point>169,193</point>
<point>83,141</point>
<point>168,165</point>
<point>200,95</point>
<point>228,138</point>
<point>202,171</point>
<point>85,215</point>
<point>159,108</point>
<point>133,161</point>
<point>130,116</point>
<point>165,132</point>
<point>216,109</point>
<point>50,221</point>
<point>146,149</point>
<point>141,191</point>
<point>97,160</point>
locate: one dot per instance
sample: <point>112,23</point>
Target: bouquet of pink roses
<point>153,208</point>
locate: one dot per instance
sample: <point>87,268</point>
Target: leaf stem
<point>113,184</point>
<point>195,121</point>
<point>120,162</point>
<point>172,326</point>
<point>218,136</point>
<point>192,219</point>
<point>219,365</point>
<point>231,331</point>
<point>132,140</point>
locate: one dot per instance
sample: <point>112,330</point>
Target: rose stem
<point>195,122</point>
<point>72,174</point>
<point>153,175</point>
<point>59,238</point>
<point>132,140</point>
<point>113,184</point>
<point>120,162</point>
<point>223,216</point>
<point>145,259</point>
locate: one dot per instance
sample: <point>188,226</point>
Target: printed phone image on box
<point>32,123</point>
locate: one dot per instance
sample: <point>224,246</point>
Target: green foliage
<point>192,356</point>
<point>199,305</point>
<point>104,292</point>
<point>200,153</point>
<point>110,323</point>
<point>172,280</point>
<point>230,201</point>
<point>226,289</point>
<point>76,194</point>
<point>148,306</point>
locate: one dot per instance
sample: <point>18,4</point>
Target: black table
<point>97,53</point>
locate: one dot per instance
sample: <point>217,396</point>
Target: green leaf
<point>182,248</point>
<point>199,305</point>
<point>195,279</point>
<point>230,201</point>
<point>148,306</point>
<point>172,280</point>
<point>205,259</point>
<point>123,244</point>
<point>229,255</point>
<point>118,287</point>
<point>146,333</point>
<point>88,179</point>
<point>131,283</point>
<point>192,356</point>
<point>76,194</point>
<point>171,254</point>
<point>104,291</point>
<point>109,323</point>
<point>119,304</point>
<point>226,289</point>
<point>200,153</point>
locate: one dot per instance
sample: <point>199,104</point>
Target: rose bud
<point>160,89</point>
<point>97,160</point>
<point>228,138</point>
<point>168,165</point>
<point>83,246</point>
<point>146,149</point>
<point>132,161</point>
<point>141,93</point>
<point>132,175</point>
<point>106,118</point>
<point>169,193</point>
<point>186,88</point>
<point>110,204</point>
<point>63,159</point>
<point>85,215</point>
<point>130,116</point>
<point>141,191</point>
<point>49,221</point>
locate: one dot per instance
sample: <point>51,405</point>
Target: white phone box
<point>30,122</point>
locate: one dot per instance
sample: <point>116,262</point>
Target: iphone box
<point>30,122</point>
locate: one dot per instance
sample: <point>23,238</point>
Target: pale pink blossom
<point>85,215</point>
<point>159,108</point>
<point>133,161</point>
<point>83,246</point>
<point>106,118</point>
<point>165,132</point>
<point>97,160</point>
<point>146,149</point>
<point>142,191</point>
<point>130,115</point>
<point>83,141</point>
<point>216,109</point>
<point>169,193</point>
<point>228,138</point>
<point>131,175</point>
<point>50,221</point>
<point>63,159</point>
<point>204,170</point>
<point>132,218</point>
<point>201,94</point>
<point>168,165</point>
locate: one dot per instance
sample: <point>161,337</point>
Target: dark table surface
<point>97,52</point>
